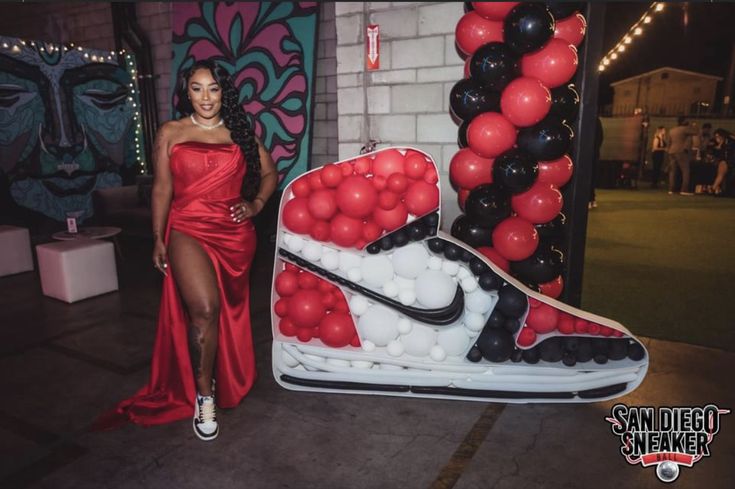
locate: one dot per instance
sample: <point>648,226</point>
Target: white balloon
<point>395,348</point>
<point>435,289</point>
<point>410,260</point>
<point>288,359</point>
<point>286,238</point>
<point>454,340</point>
<point>379,325</point>
<point>390,289</point>
<point>312,251</point>
<point>376,270</point>
<point>361,364</point>
<point>367,345</point>
<point>407,297</point>
<point>359,305</point>
<point>474,321</point>
<point>435,263</point>
<point>450,267</point>
<point>438,354</point>
<point>338,362</point>
<point>479,301</point>
<point>354,274</point>
<point>469,284</point>
<point>315,358</point>
<point>349,260</point>
<point>330,260</point>
<point>419,340</point>
<point>404,283</point>
<point>404,325</point>
<point>388,366</point>
<point>296,244</point>
<point>463,273</point>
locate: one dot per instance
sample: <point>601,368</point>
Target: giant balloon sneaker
<point>370,298</point>
<point>515,106</point>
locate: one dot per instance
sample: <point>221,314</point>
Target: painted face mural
<point>66,125</point>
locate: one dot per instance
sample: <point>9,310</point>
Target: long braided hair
<point>233,116</point>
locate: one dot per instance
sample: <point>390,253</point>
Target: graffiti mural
<point>269,49</point>
<point>67,125</point>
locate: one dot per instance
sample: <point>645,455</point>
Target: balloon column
<point>515,107</point>
<point>369,297</point>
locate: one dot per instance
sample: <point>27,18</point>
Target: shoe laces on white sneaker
<point>205,419</point>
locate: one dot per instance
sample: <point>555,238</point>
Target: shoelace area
<point>206,411</point>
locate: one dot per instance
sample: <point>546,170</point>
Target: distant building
<point>665,91</point>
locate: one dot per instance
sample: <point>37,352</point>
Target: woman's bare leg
<point>721,172</point>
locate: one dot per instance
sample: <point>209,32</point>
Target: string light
<point>636,30</point>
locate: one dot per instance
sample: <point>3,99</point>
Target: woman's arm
<point>161,194</point>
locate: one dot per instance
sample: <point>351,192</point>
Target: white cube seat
<point>15,250</point>
<point>77,269</point>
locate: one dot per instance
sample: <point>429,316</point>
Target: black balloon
<point>487,205</point>
<point>514,170</point>
<point>617,349</point>
<point>546,263</point>
<point>547,140</point>
<point>462,134</point>
<point>512,325</point>
<point>512,302</point>
<point>474,355</point>
<point>584,350</point>
<point>436,245</point>
<point>386,243</point>
<point>636,351</point>
<point>565,102</point>
<point>468,7</point>
<point>478,267</point>
<point>417,231</point>
<point>490,281</point>
<point>469,98</point>
<point>431,220</point>
<point>464,229</point>
<point>561,10</point>
<point>452,252</point>
<point>400,237</point>
<point>531,355</point>
<point>496,319</point>
<point>569,359</point>
<point>552,232</point>
<point>516,356</point>
<point>551,349</point>
<point>528,27</point>
<point>494,65</point>
<point>496,345</point>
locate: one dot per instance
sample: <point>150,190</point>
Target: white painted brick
<point>321,84</point>
<point>349,150</point>
<point>345,8</point>
<point>322,131</point>
<point>379,100</point>
<point>318,145</point>
<point>350,101</point>
<point>327,11</point>
<point>450,208</point>
<point>404,4</point>
<point>448,152</point>
<point>332,111</point>
<point>328,30</point>
<point>396,23</point>
<point>333,144</point>
<point>349,80</point>
<point>417,98</point>
<point>447,90</point>
<point>434,150</point>
<point>330,48</point>
<point>392,76</point>
<point>389,128</point>
<point>332,84</point>
<point>326,66</point>
<point>452,55</point>
<point>350,59</point>
<point>440,18</point>
<point>319,160</point>
<point>440,74</point>
<point>380,5</point>
<point>320,111</point>
<point>349,29</point>
<point>350,128</point>
<point>385,55</point>
<point>417,53</point>
<point>435,128</point>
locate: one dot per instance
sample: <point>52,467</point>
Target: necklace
<point>204,126</point>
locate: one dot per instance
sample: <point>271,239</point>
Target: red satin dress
<point>206,182</point>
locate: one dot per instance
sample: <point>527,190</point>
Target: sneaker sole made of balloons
<point>370,298</point>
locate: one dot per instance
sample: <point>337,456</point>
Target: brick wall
<point>406,102</point>
<point>155,20</point>
<point>324,142</point>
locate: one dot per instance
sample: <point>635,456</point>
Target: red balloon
<point>300,187</point>
<point>553,288</point>
<point>379,182</point>
<point>422,198</point>
<point>328,300</point>
<point>305,308</point>
<point>355,341</point>
<point>414,165</point>
<point>494,10</point>
<point>539,204</point>
<point>337,329</point>
<point>291,267</point>
<point>388,162</point>
<point>473,30</point>
<point>492,255</point>
<point>388,200</point>
<point>525,101</point>
<point>305,334</point>
<point>397,183</point>
<point>308,281</point>
<point>526,337</point>
<point>371,231</point>
<point>571,29</point>
<point>287,283</point>
<point>391,219</point>
<point>315,180</point>
<point>296,216</point>
<point>490,134</point>
<point>347,168</point>
<point>565,324</point>
<point>515,238</point>
<point>324,286</point>
<point>362,165</point>
<point>332,175</point>
<point>430,175</point>
<point>556,172</point>
<point>462,197</point>
<point>323,204</point>
<point>593,328</point>
<point>542,319</point>
<point>345,230</point>
<point>287,327</point>
<point>467,73</point>
<point>554,64</point>
<point>605,331</point>
<point>320,231</point>
<point>467,170</point>
<point>356,196</point>
<point>581,325</point>
<point>281,307</point>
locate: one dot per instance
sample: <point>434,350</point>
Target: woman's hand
<point>245,210</point>
<point>160,259</point>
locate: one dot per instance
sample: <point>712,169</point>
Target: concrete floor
<point>63,364</point>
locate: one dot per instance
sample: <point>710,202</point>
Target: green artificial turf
<point>663,265</point>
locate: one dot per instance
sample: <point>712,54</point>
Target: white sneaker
<point>205,418</point>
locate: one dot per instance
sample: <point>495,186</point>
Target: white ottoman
<point>15,250</point>
<point>76,269</point>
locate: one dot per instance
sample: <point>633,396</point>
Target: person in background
<point>705,141</point>
<point>658,154</point>
<point>724,156</point>
<point>680,147</point>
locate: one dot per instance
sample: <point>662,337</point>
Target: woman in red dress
<point>204,245</point>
